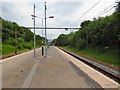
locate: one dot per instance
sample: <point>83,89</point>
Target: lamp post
<point>42,31</point>
<point>34,33</point>
<point>46,31</point>
<point>42,39</point>
<point>45,36</point>
<point>33,17</point>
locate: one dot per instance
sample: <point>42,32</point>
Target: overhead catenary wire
<point>104,10</point>
<point>86,12</point>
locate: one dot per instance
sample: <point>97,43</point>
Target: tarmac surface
<point>53,71</point>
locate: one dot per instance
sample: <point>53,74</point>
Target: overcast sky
<point>66,13</point>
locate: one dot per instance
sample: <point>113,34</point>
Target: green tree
<point>117,11</point>
<point>62,40</point>
<point>24,38</point>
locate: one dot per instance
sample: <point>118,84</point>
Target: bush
<point>20,47</point>
<point>10,41</point>
<point>7,49</point>
<point>80,43</point>
<point>21,43</point>
<point>21,40</point>
<point>28,45</point>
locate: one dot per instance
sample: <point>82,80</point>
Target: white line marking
<point>28,80</point>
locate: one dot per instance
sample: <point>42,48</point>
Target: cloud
<point>64,8</point>
<point>17,11</point>
<point>65,12</point>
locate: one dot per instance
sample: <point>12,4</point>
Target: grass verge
<point>109,57</point>
<point>8,50</point>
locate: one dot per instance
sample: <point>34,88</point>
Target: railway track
<point>115,75</point>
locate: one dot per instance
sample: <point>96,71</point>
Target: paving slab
<point>14,66</point>
<point>104,81</point>
<point>56,71</point>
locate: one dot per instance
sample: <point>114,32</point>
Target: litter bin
<point>42,50</point>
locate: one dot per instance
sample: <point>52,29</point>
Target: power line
<point>104,10</point>
<point>86,12</point>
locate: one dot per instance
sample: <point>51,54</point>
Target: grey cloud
<point>65,12</point>
<point>16,11</point>
<point>64,8</point>
<point>9,10</point>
